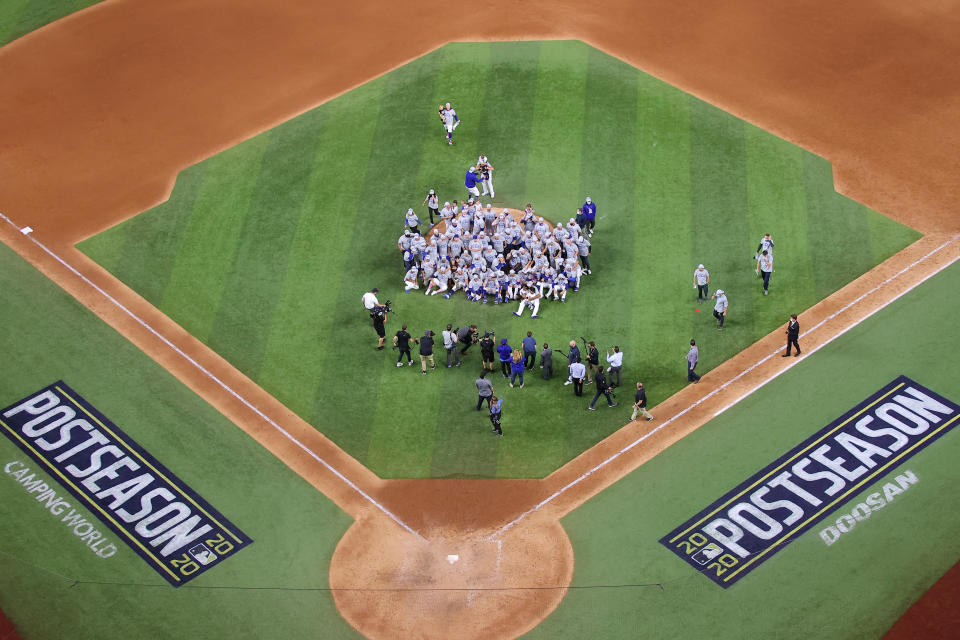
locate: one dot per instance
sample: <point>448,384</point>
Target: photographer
<point>401,341</point>
<point>616,364</point>
<point>379,315</point>
<point>467,336</point>
<point>593,360</point>
<point>487,345</point>
<point>603,388</point>
<point>450,345</point>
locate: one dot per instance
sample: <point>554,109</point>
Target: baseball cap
<point>431,192</point>
<point>699,266</point>
<point>719,292</point>
<point>588,199</point>
<point>374,290</point>
<point>446,204</point>
<point>473,168</point>
<point>409,210</point>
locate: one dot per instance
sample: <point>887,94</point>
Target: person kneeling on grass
<point>531,299</point>
<point>410,279</point>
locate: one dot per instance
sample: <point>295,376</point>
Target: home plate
<point>451,558</point>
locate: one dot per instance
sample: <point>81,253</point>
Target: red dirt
<point>101,110</point>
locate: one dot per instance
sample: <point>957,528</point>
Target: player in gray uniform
<point>410,279</point>
<point>583,247</point>
<point>412,221</point>
<point>701,282</point>
<point>450,120</point>
<point>766,244</point>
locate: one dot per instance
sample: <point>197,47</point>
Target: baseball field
<point>192,218</point>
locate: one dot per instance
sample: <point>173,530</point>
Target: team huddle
<point>495,256</point>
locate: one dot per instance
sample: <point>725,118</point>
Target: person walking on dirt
<point>693,356</point>
<point>793,334</point>
<point>640,404</point>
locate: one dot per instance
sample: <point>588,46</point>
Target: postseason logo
<point>152,510</point>
<point>745,527</point>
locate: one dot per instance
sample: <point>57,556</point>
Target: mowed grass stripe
<point>242,323</point>
<point>351,384</point>
<point>20,17</point>
<point>319,259</point>
<point>212,236</point>
<point>664,315</point>
<point>552,185</point>
<point>608,176</point>
<point>777,205</point>
<point>465,447</point>
<point>720,228</point>
<point>152,240</point>
<point>837,227</point>
<point>425,405</point>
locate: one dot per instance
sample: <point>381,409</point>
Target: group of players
<point>493,257</point>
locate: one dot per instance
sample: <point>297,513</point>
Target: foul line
<point>217,380</point>
<point>556,494</point>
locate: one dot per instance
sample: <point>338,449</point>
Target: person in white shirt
<point>370,299</point>
<point>766,244</point>
<point>616,364</point>
<point>486,173</point>
<point>450,345</point>
<point>720,308</point>
<point>701,281</point>
<point>578,371</point>
<point>433,205</point>
<point>410,279</point>
<point>765,268</point>
<point>531,298</point>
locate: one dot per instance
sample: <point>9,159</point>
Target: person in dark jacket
<point>593,361</point>
<point>793,334</point>
<point>572,356</point>
<point>601,381</point>
<point>640,403</point>
<point>426,351</point>
<point>506,352</point>
<point>496,410</point>
<point>487,346</point>
<point>546,361</point>
<point>529,350</point>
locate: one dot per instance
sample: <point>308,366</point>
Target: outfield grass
<point>49,336</point>
<point>264,250</point>
<point>20,17</point>
<point>855,588</point>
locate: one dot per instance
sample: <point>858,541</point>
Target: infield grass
<point>20,17</point>
<point>857,587</point>
<point>264,250</point>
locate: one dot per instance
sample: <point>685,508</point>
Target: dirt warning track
<point>102,110</point>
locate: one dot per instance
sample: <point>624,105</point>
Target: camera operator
<point>467,336</point>
<point>603,388</point>
<point>379,315</point>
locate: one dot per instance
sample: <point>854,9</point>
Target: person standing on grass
<point>693,356</point>
<point>593,361</point>
<point>589,210</point>
<point>401,341</point>
<point>766,244</point>
<point>450,345</point>
<point>426,352</point>
<point>487,346</point>
<point>505,351</point>
<point>616,364</point>
<point>516,367</point>
<point>433,205</point>
<point>793,334</point>
<point>448,116</point>
<point>578,371</point>
<point>720,308</point>
<point>601,380</point>
<point>546,361</point>
<point>572,356</point>
<point>764,269</point>
<point>496,411</point>
<point>529,351</point>
<point>484,389</point>
<point>640,404</point>
<point>701,282</point>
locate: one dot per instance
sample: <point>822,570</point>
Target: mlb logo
<point>708,553</point>
<point>201,554</point>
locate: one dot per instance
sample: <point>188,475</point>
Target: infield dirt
<point>101,110</point>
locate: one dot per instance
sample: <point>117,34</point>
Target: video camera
<point>381,310</point>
